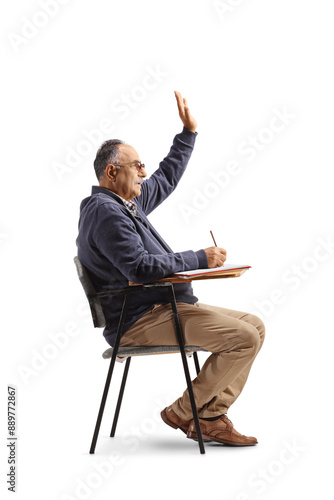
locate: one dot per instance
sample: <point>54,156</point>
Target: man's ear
<point>110,172</point>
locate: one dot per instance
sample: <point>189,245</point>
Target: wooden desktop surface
<point>230,273</point>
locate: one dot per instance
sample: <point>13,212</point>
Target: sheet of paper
<point>193,272</point>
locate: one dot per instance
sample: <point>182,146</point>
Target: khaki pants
<point>234,338</point>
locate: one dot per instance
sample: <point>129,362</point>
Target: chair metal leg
<point>120,396</point>
<point>110,371</point>
<point>102,405</point>
<point>196,362</point>
<point>179,333</point>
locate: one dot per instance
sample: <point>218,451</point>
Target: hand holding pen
<point>216,256</point>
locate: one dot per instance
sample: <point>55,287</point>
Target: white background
<point>235,68</point>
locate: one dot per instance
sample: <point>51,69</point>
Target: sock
<point>211,419</point>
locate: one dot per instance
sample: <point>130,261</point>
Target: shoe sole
<point>170,423</point>
<point>206,438</point>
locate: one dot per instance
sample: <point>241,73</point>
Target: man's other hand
<point>216,256</point>
<point>188,121</point>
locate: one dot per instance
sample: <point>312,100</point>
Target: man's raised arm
<point>165,179</point>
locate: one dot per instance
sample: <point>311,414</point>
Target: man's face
<point>128,180</point>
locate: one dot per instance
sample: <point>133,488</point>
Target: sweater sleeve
<point>116,238</point>
<point>165,179</point>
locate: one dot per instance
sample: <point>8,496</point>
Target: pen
<point>213,238</point>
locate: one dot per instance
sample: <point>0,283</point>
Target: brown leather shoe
<point>220,431</point>
<point>169,416</point>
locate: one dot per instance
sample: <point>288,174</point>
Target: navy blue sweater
<point>117,247</point>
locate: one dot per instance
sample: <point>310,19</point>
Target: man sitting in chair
<point>118,244</point>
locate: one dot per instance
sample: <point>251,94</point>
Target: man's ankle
<point>211,419</point>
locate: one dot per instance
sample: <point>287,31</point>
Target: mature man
<point>118,244</point>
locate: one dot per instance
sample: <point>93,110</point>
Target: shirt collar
<point>130,205</point>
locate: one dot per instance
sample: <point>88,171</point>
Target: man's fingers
<point>179,101</point>
<point>186,107</point>
<point>182,105</point>
<point>188,121</point>
<point>178,98</point>
<point>222,256</point>
<point>186,110</point>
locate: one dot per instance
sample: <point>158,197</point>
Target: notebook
<point>214,270</point>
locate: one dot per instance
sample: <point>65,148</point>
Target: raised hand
<point>188,121</point>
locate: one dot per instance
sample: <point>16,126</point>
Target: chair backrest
<point>96,309</point>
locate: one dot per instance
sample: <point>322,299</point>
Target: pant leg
<point>234,343</point>
<point>226,397</point>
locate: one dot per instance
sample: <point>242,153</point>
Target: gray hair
<point>107,153</point>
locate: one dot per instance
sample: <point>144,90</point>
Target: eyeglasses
<point>137,164</point>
